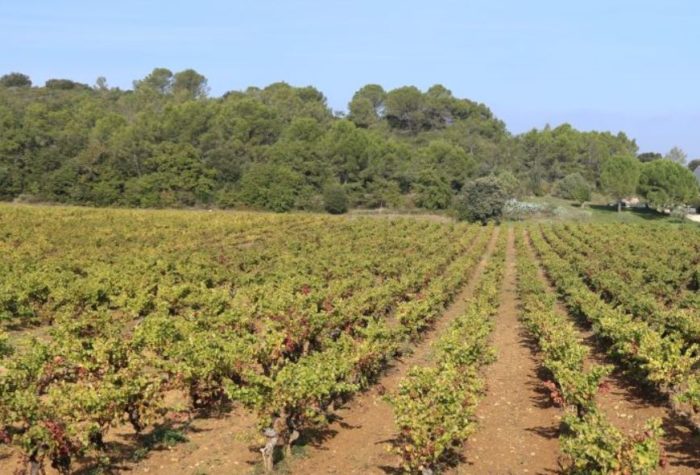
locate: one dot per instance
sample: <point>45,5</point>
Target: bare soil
<point>628,405</point>
<point>224,444</point>
<point>214,444</point>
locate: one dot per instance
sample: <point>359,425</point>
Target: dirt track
<point>518,427</point>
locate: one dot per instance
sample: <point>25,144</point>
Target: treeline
<point>167,143</point>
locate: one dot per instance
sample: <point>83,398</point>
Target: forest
<point>167,143</point>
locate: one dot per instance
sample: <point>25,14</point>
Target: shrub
<point>481,200</point>
<point>575,187</point>
<point>271,187</point>
<point>518,210</point>
<point>335,200</point>
<point>512,185</point>
<point>432,192</point>
<point>15,80</point>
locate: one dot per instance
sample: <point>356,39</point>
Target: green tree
<point>346,147</point>
<point>511,184</point>
<point>403,109</point>
<point>432,191</point>
<point>159,81</point>
<point>619,177</point>
<point>271,187</point>
<point>481,200</point>
<point>246,120</point>
<point>189,84</point>
<point>335,200</point>
<point>64,84</point>
<point>451,161</point>
<point>173,176</point>
<point>15,80</point>
<point>300,148</point>
<point>437,106</point>
<point>101,84</point>
<point>382,193</point>
<point>667,184</point>
<point>649,156</point>
<point>694,164</point>
<point>575,187</point>
<point>367,105</point>
<point>289,102</point>
<point>150,146</point>
<point>550,154</point>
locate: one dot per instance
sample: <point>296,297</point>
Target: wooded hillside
<point>167,143</point>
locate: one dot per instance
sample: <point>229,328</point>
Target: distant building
<point>697,173</point>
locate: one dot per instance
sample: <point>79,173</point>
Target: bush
<point>481,200</point>
<point>519,210</point>
<point>511,184</point>
<point>574,187</point>
<point>696,204</point>
<point>432,192</point>
<point>15,80</point>
<point>335,200</point>
<point>667,184</point>
<point>309,199</point>
<point>381,194</point>
<point>271,187</point>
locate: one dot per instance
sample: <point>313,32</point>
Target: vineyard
<point>394,344</point>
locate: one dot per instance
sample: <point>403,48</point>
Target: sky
<point>617,65</point>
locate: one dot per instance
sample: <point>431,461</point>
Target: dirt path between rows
<point>517,425</point>
<point>628,405</point>
<point>358,442</point>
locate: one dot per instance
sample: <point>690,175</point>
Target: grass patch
<point>600,212</point>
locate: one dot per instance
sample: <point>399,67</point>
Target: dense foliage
<point>667,184</point>
<point>574,187</point>
<point>167,143</point>
<point>552,154</point>
<point>619,177</point>
<point>481,200</point>
<point>335,200</point>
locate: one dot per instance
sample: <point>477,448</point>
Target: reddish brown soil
<point>359,441</point>
<point>215,444</point>
<point>223,445</point>
<point>518,427</point>
<point>628,405</point>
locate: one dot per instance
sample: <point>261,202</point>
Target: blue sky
<point>610,65</point>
